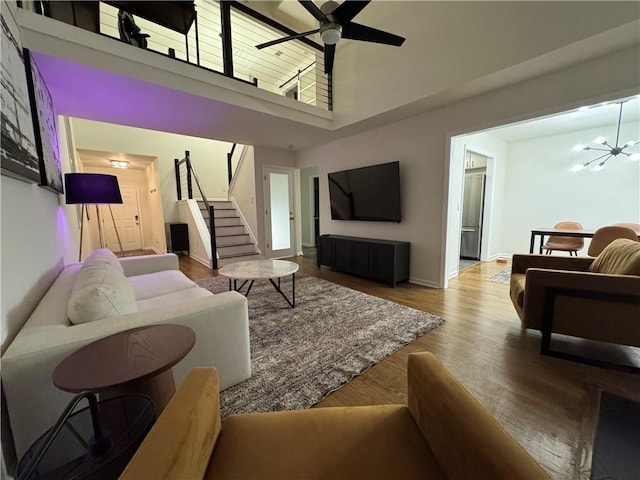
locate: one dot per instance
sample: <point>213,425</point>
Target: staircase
<point>233,241</point>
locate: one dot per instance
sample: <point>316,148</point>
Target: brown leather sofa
<point>594,298</point>
<point>442,433</point>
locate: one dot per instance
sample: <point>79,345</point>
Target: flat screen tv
<point>368,193</point>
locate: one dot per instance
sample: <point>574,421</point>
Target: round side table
<point>133,361</point>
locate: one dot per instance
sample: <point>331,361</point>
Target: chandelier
<point>610,150</point>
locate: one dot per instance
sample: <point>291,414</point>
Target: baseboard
<point>424,283</point>
<point>310,245</point>
<point>499,255</point>
<point>300,253</point>
<point>453,275</point>
<point>204,261</point>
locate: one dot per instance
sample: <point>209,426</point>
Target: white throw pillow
<point>100,291</point>
<point>104,255</point>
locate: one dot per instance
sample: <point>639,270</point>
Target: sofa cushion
<point>159,283</point>
<point>100,291</point>
<point>104,255</point>
<point>620,257</point>
<point>174,298</point>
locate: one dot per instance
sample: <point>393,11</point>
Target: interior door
<point>127,220</point>
<point>279,228</point>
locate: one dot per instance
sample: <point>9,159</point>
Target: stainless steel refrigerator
<point>472,210</point>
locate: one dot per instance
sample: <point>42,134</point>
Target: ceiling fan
<point>335,23</point>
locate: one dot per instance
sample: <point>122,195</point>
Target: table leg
<point>292,302</point>
<point>541,243</point>
<point>160,388</point>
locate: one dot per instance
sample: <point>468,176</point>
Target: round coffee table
<point>134,361</point>
<point>253,270</point>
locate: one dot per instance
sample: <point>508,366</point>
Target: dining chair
<point>565,244</point>
<point>633,226</point>
<point>605,235</point>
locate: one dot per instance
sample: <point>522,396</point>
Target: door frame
<point>312,209</point>
<point>289,171</point>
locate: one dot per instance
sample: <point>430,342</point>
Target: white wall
<point>541,190</point>
<point>36,240</point>
<point>209,157</point>
<point>243,190</point>
<point>422,145</point>
<point>487,37</point>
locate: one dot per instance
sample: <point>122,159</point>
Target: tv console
<point>384,260</point>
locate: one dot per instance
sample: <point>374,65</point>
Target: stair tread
<point>234,255</point>
<point>232,235</point>
<point>235,245</point>
<point>229,226</point>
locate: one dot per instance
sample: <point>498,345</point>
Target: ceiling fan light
<point>580,148</point>
<point>577,167</point>
<point>331,35</point>
<point>600,140</point>
<point>630,143</point>
<point>634,156</point>
<point>598,167</point>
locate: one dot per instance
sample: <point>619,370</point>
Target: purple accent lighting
<point>91,188</point>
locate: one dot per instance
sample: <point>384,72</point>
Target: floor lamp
<point>93,188</point>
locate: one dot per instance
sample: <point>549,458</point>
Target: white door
<point>127,220</point>
<point>279,229</point>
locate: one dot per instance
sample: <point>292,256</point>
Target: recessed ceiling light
<point>290,146</point>
<point>278,53</point>
<point>119,164</point>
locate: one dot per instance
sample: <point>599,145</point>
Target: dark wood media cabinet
<point>384,260</point>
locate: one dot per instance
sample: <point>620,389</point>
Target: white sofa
<point>162,295</point>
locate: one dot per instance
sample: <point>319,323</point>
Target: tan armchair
<point>442,433</point>
<point>597,299</point>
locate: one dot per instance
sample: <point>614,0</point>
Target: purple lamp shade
<point>91,188</point>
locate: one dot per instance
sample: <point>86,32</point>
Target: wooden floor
<point>549,405</point>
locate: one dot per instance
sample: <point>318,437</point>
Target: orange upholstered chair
<point>565,244</point>
<point>605,235</point>
<point>633,226</point>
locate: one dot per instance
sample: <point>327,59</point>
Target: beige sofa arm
<point>476,445</point>
<point>520,263</point>
<point>143,264</point>
<point>181,441</point>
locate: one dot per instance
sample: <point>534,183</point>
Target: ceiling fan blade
<point>329,55</point>
<point>347,10</point>
<point>313,9</point>
<point>355,31</point>
<point>286,39</point>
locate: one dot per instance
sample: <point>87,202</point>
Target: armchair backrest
<point>605,235</point>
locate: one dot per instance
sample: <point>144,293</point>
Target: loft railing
<point>191,175</point>
<point>220,36</point>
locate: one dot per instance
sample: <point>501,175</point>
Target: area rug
<point>503,276</point>
<point>300,355</point>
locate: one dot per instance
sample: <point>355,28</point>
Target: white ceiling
<point>96,158</point>
<point>583,118</point>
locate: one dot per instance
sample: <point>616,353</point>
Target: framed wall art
<point>19,157</point>
<point>44,126</point>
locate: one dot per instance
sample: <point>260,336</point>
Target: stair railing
<point>191,173</point>
<point>229,166</point>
